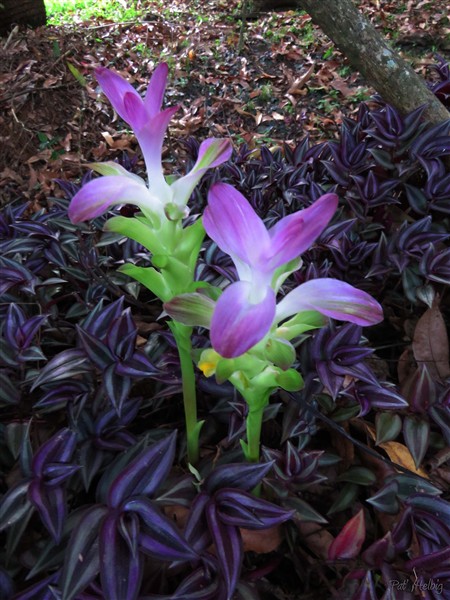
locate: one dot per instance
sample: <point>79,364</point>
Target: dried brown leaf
<point>243,112</point>
<point>430,343</point>
<point>341,86</point>
<point>398,453</point>
<point>299,83</point>
<point>261,542</point>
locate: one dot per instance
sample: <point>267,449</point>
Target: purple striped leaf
<point>159,536</point>
<point>366,590</point>
<point>50,503</point>
<point>64,365</point>
<point>18,330</point>
<point>99,320</point>
<point>117,386</point>
<point>58,449</point>
<point>42,590</point>
<point>436,509</point>
<point>430,561</point>
<point>82,560</point>
<point>15,505</point>
<point>196,530</point>
<point>380,551</point>
<point>122,335</point>
<point>120,568</point>
<point>228,544</point>
<point>145,473</point>
<point>139,365</point>
<point>241,509</point>
<point>56,473</point>
<point>96,351</point>
<point>236,475</point>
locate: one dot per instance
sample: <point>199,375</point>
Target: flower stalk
<point>257,402</point>
<point>182,335</point>
<point>250,333</point>
<point>158,227</point>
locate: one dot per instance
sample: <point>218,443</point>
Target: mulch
<point>287,82</point>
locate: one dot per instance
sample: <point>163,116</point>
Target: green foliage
<point>69,11</point>
<point>266,92</point>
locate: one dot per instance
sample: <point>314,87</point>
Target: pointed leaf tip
<point>350,540</point>
<point>145,473</point>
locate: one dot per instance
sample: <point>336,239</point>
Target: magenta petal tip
<point>238,324</point>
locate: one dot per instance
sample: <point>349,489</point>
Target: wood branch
<point>368,52</point>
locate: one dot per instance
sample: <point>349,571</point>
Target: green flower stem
<point>253,425</point>
<point>257,401</point>
<point>182,335</point>
<point>174,252</point>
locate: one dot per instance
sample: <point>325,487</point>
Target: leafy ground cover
<point>288,81</point>
<point>352,487</point>
<point>67,11</point>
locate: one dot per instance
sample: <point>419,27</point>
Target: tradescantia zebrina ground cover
<point>189,361</point>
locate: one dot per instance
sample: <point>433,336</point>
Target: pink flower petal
<point>134,109</point>
<point>116,88</point>
<point>333,298</point>
<point>237,325</point>
<point>235,227</point>
<point>98,195</point>
<point>151,138</point>
<point>212,153</point>
<point>295,233</point>
<point>156,88</point>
